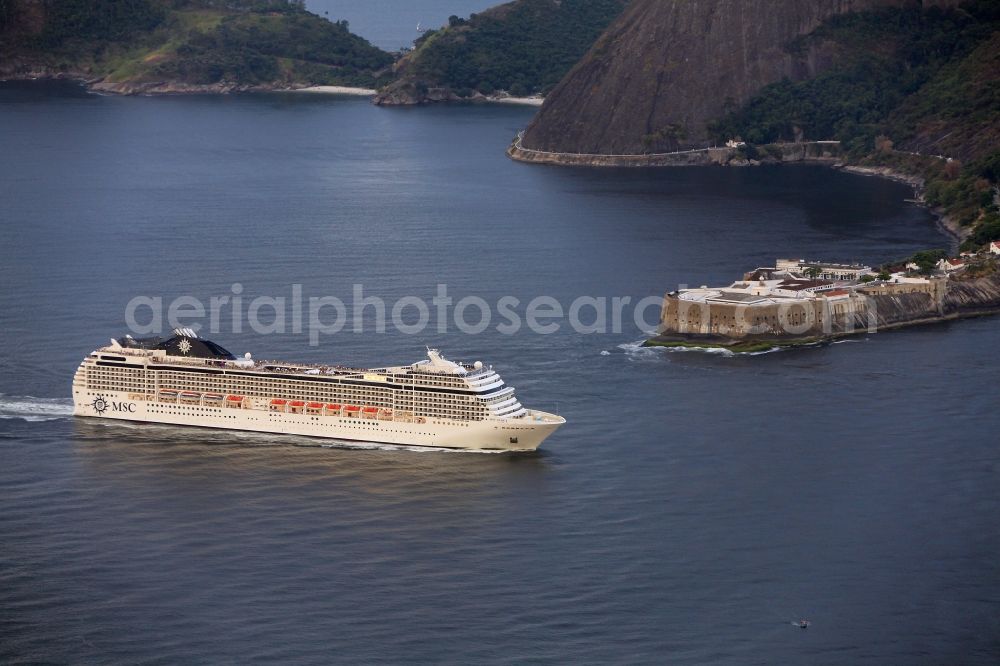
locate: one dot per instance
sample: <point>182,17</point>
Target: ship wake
<point>30,408</point>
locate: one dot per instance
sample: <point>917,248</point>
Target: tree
<point>927,260</point>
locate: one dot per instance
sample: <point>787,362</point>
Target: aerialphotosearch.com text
<point>324,315</point>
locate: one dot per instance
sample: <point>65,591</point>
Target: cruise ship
<point>188,380</point>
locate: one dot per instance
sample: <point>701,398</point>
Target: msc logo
<point>101,405</point>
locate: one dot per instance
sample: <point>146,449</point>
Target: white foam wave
<point>33,409</point>
<point>637,351</point>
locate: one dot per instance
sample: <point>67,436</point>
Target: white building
<point>824,270</point>
<point>951,265</point>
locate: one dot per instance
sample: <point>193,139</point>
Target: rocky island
<point>799,302</point>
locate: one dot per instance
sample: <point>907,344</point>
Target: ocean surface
<point>392,24</point>
<point>692,508</point>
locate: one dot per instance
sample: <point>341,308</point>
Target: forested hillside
<point>134,45</point>
<point>522,47</point>
<point>910,85</point>
<point>927,79</point>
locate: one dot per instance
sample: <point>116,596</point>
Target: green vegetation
<point>895,66</point>
<point>240,42</point>
<point>522,47</point>
<point>910,86</point>
<point>69,21</point>
<point>966,193</point>
<point>259,48</point>
<point>927,260</point>
<point>979,268</point>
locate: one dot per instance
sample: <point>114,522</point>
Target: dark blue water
<point>691,509</point>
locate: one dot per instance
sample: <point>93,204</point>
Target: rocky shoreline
<point>100,84</point>
<point>825,152</point>
<point>948,225</point>
<point>767,344</point>
<point>407,93</point>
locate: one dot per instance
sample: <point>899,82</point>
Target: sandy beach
<point>527,101</point>
<point>368,92</point>
<point>338,90</point>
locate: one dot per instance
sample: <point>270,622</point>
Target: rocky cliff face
<point>961,298</point>
<point>968,296</point>
<point>665,68</point>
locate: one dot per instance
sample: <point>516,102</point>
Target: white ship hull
<point>485,435</point>
<point>185,380</point>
